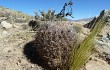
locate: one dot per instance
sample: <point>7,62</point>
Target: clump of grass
<point>81,53</point>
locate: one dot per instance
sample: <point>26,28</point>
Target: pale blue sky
<point>81,8</point>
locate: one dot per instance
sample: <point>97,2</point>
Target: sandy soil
<point>17,51</point>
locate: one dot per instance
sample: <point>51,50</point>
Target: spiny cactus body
<point>54,42</point>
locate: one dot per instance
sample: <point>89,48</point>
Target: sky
<point>81,8</point>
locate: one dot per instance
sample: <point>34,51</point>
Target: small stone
<point>6,25</point>
<point>32,66</point>
<point>9,50</point>
<point>5,32</point>
<point>19,61</point>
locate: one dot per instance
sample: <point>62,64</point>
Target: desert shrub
<point>34,24</point>
<point>50,15</point>
<point>54,42</point>
<point>81,54</point>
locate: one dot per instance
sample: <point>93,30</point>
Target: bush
<point>54,42</point>
<point>34,24</point>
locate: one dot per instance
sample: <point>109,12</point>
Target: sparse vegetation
<point>14,16</point>
<point>49,41</point>
<point>49,16</point>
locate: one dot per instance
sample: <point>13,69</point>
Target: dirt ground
<point>18,53</point>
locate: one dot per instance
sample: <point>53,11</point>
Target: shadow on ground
<point>32,55</point>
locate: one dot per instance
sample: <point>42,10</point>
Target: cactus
<point>54,42</point>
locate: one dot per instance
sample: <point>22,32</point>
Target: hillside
<point>13,15</point>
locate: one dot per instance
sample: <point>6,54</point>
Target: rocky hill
<point>13,15</point>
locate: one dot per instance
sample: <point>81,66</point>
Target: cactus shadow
<point>31,54</point>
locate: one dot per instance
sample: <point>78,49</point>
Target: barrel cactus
<point>54,42</point>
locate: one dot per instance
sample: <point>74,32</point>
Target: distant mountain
<point>9,14</point>
<point>84,19</point>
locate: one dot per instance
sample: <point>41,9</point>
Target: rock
<point>3,19</point>
<point>5,32</point>
<point>103,48</point>
<point>97,64</point>
<point>103,45</point>
<point>6,25</point>
<point>108,58</point>
<point>21,20</point>
<point>103,14</point>
<point>91,23</point>
<point>15,26</point>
